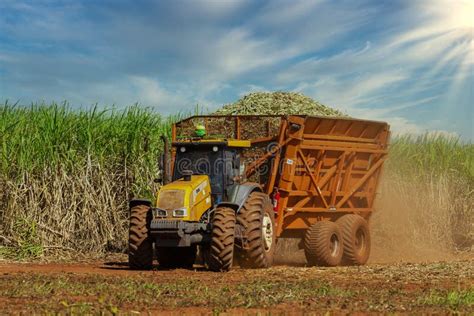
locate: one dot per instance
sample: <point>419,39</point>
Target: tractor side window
<point>232,170</point>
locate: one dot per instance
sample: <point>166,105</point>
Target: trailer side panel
<point>329,167</point>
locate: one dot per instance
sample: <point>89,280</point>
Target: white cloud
<point>238,52</point>
<point>252,88</point>
<point>400,125</point>
<point>150,92</point>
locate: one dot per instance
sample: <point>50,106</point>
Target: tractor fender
<point>135,202</point>
<point>240,194</point>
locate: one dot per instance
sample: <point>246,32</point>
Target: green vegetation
<point>27,246</point>
<point>431,155</point>
<point>453,299</point>
<point>54,136</point>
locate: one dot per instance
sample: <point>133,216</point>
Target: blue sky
<point>407,62</point>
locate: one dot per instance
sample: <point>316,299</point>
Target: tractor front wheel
<point>140,245</point>
<point>221,250</point>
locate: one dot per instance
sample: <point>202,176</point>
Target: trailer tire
<point>356,235</point>
<point>176,257</point>
<point>140,245</point>
<point>221,250</point>
<point>323,244</point>
<point>257,219</point>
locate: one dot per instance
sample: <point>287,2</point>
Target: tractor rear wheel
<point>176,257</point>
<point>356,235</point>
<point>257,219</point>
<point>140,245</point>
<point>221,250</point>
<point>323,244</point>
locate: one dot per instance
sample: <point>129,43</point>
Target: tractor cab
<point>204,187</point>
<point>219,160</point>
<point>204,174</point>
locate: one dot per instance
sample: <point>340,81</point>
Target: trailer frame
<point>323,167</point>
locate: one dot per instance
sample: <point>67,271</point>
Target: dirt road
<point>111,287</point>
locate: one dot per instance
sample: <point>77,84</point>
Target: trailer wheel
<point>323,244</point>
<point>176,257</point>
<point>257,219</point>
<point>140,245</point>
<point>221,250</point>
<point>356,235</point>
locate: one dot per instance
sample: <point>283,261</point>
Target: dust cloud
<point>424,221</point>
<point>421,221</point>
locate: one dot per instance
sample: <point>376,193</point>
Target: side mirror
<point>161,162</point>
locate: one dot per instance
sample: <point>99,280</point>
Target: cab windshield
<point>201,160</point>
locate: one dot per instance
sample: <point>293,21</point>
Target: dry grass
<point>78,211</point>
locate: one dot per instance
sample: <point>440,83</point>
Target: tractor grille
<point>165,224</point>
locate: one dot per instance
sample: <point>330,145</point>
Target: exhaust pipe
<point>166,160</point>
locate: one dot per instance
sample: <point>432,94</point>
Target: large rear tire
<point>221,250</point>
<point>176,257</point>
<point>257,219</point>
<point>356,236</point>
<point>323,244</point>
<point>140,245</point>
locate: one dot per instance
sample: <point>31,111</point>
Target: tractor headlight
<point>159,213</point>
<point>181,212</point>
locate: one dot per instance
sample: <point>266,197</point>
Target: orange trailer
<point>322,167</point>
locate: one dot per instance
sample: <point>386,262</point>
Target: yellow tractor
<point>197,210</point>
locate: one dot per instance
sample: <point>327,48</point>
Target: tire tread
<point>250,217</point>
<point>348,224</point>
<point>140,245</point>
<point>316,244</point>
<point>221,250</point>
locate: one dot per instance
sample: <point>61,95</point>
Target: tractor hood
<point>185,199</point>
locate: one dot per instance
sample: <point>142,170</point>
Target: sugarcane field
<point>233,162</point>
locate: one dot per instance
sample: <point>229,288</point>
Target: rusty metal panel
<point>336,172</point>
